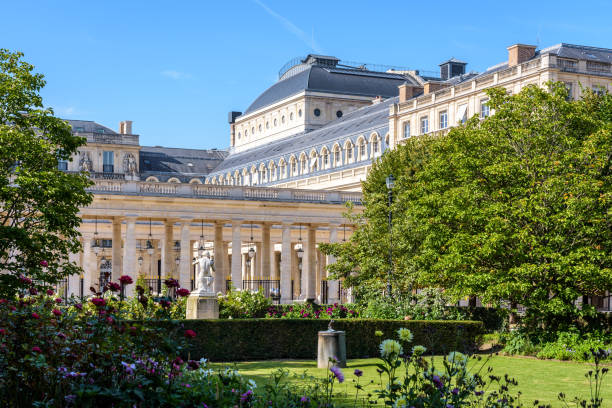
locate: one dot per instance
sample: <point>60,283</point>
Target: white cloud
<point>292,28</point>
<point>64,110</point>
<point>176,75</point>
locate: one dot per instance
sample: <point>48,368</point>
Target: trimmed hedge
<point>258,339</point>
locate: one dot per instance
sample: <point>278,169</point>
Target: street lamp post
<point>390,184</point>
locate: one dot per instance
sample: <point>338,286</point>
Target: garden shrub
<point>312,311</point>
<point>256,339</point>
<point>238,304</point>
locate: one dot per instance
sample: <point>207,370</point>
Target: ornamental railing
<point>268,287</point>
<point>223,192</point>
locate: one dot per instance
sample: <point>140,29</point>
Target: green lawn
<point>538,379</point>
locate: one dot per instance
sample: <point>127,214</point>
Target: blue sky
<point>177,68</point>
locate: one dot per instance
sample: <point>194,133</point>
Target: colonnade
<point>279,256</point>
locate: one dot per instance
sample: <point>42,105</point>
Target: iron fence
<point>269,288</point>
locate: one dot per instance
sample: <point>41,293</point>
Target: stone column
<point>185,265</point>
<point>88,265</point>
<point>309,265</point>
<point>129,257</point>
<point>265,252</point>
<point>258,273</point>
<point>333,286</point>
<point>116,249</point>
<point>73,280</point>
<point>295,272</point>
<point>285,269</point>
<point>245,272</point>
<point>227,266</point>
<point>167,248</point>
<point>236,255</point>
<point>219,282</point>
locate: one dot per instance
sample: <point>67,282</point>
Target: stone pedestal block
<point>332,343</point>
<point>202,307</point>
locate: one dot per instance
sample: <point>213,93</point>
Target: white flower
<point>419,350</point>
<point>457,358</point>
<point>252,384</point>
<point>405,335</point>
<point>390,349</point>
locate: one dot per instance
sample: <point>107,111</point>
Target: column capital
<point>185,222</point>
<point>117,220</point>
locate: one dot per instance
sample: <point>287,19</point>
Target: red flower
<point>3,301</point>
<point>126,279</point>
<point>36,349</point>
<point>182,292</point>
<point>171,283</point>
<point>100,302</point>
<point>58,300</point>
<point>35,315</point>
<point>12,308</point>
<point>114,286</point>
<point>57,312</point>
<point>79,306</point>
<point>164,303</point>
<point>33,291</point>
<point>190,333</point>
<point>3,332</point>
<point>109,320</point>
<point>50,292</point>
<point>44,263</point>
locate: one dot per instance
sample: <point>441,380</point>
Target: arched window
<point>375,145</point>
<point>303,164</point>
<point>324,158</point>
<point>349,151</point>
<point>294,169</point>
<point>195,181</point>
<point>363,151</point>
<point>174,180</point>
<point>152,179</point>
<point>337,156</point>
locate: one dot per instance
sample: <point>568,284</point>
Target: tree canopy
<point>39,204</point>
<point>515,207</point>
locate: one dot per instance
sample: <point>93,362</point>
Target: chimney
<point>376,100</point>
<point>407,91</point>
<point>430,87</point>
<point>519,53</point>
<point>125,127</point>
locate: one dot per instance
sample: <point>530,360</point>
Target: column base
<point>202,307</point>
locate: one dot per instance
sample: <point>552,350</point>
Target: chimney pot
<point>125,127</point>
<point>519,53</point>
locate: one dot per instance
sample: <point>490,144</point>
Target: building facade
<point>296,155</point>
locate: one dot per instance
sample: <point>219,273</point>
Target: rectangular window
<point>62,165</point>
<point>424,124</point>
<point>484,108</point>
<point>570,95</point>
<point>443,120</point>
<point>599,90</point>
<point>108,164</point>
<point>406,129</point>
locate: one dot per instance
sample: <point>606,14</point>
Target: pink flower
<point>126,279</point>
<point>25,279</point>
<point>36,349</point>
<point>58,300</point>
<point>182,292</point>
<point>57,312</point>
<point>50,292</point>
<point>61,335</point>
<point>100,302</point>
<point>109,320</point>
<point>35,315</point>
<point>114,286</point>
<point>190,333</point>
<point>44,263</point>
<point>79,306</point>
<point>3,332</point>
<point>171,283</point>
<point>33,291</point>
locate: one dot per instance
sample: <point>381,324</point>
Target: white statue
<point>204,277</point>
<point>85,162</point>
<point>129,164</point>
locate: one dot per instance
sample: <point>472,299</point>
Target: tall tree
<point>39,204</point>
<point>515,207</point>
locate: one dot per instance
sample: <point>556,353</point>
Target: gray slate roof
<point>351,125</point>
<point>333,80</point>
<point>166,162</point>
<point>89,126</point>
<point>580,52</point>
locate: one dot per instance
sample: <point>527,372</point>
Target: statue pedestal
<point>202,306</point>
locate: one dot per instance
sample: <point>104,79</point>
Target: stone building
<point>295,156</point>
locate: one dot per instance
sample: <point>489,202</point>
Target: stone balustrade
<point>105,186</point>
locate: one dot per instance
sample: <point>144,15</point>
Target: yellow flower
<point>378,333</point>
